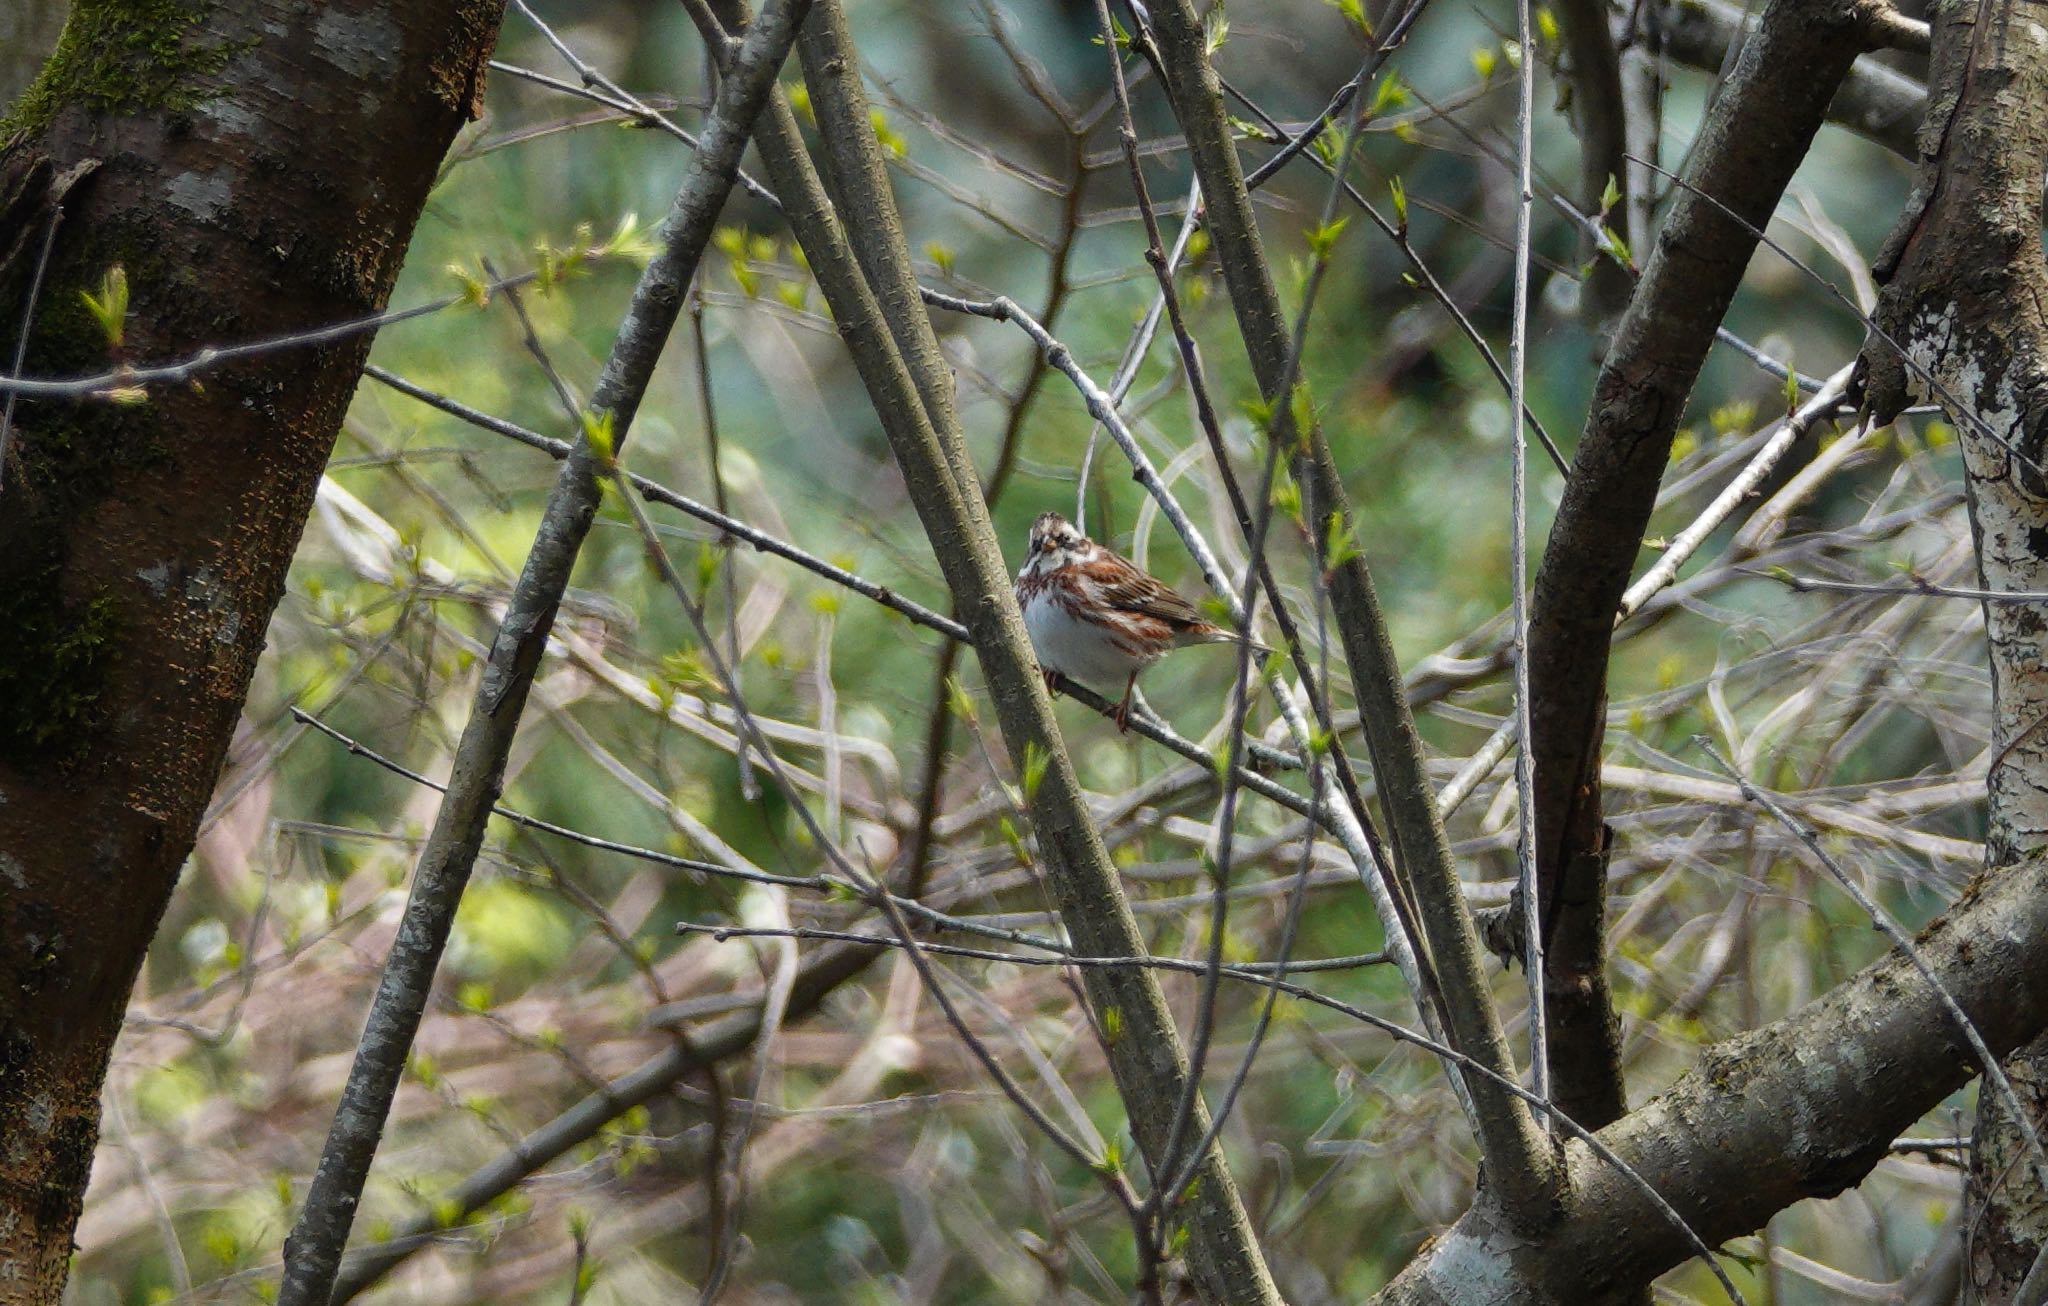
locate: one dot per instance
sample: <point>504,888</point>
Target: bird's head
<point>1054,543</point>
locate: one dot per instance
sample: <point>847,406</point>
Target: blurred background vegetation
<point>880,1164</point>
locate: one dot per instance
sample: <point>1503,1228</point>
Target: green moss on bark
<point>65,456</point>
<point>121,57</point>
<point>50,679</point>
<point>54,659</point>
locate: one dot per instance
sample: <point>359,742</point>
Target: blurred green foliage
<point>882,1166</point>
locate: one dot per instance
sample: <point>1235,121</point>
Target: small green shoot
<point>959,701</point>
<point>1215,29</point>
<point>1036,759</point>
<point>1354,14</point>
<point>110,307</point>
<point>597,430</point>
<point>476,292</point>
<point>1324,238</point>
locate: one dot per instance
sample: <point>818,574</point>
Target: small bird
<point>1096,617</point>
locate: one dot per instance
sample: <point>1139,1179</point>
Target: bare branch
<point>1876,102</point>
<point>313,1252</point>
<point>1755,135</point>
<point>1518,1159</point>
<point>1146,1059</point>
<point>1890,928</point>
<point>1736,1139</point>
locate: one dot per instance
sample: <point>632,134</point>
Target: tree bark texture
<point>2010,1210</point>
<point>1877,102</point>
<point>1750,145</point>
<point>1961,321</point>
<point>1804,1107</point>
<point>254,168</point>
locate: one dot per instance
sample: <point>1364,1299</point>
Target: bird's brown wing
<point>1131,590</point>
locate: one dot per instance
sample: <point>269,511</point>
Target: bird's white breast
<point>1080,650</point>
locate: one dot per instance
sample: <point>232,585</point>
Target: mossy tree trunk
<point>254,167</point>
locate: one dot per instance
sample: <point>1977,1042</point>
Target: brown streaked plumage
<point>1095,617</point>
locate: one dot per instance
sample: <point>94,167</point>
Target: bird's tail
<point>1206,634</point>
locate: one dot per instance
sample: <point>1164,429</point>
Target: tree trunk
<point>2012,1221</point>
<point>1963,323</point>
<point>1805,1107</point>
<point>1765,117</point>
<point>253,168</point>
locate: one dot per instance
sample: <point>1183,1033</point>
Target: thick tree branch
<point>313,1251</point>
<point>858,180</point>
<point>1518,1157</point>
<point>1754,138</point>
<point>143,547</point>
<point>1145,1056</point>
<point>1877,102</point>
<point>1801,1108</point>
<point>1961,318</point>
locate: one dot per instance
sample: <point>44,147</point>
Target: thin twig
<point>1963,414</point>
<point>913,397</point>
<point>1261,973</point>
<point>1518,566</point>
<point>750,788</point>
<point>28,321</point>
<point>1167,1165</point>
<point>1402,1033</point>
<point>659,493</point>
<point>595,82</point>
<point>655,492</point>
<point>1828,400</point>
<point>1520,1164</point>
<point>313,1251</point>
<point>1111,1177</point>
<point>1397,32</point>
<point>122,381</point>
<point>1911,587</point>
<point>1425,276</point>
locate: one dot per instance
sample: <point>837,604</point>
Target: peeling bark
<point>255,168</point>
<point>1961,320</point>
<point>2012,1216</point>
<point>1962,312</point>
